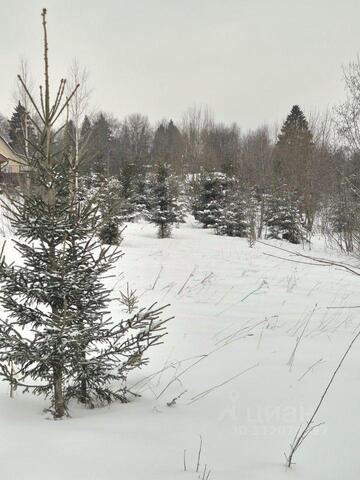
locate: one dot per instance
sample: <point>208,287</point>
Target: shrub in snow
<point>342,217</point>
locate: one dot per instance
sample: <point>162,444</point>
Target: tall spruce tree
<point>99,146</point>
<point>294,144</point>
<point>169,145</point>
<point>84,144</point>
<point>58,339</point>
<point>294,162</point>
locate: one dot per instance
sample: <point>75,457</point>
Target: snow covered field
<point>236,310</point>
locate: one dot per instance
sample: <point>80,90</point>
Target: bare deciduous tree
<point>78,105</point>
<point>348,113</point>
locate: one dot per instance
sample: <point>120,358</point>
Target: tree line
<point>302,178</point>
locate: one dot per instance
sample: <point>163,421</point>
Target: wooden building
<point>13,167</point>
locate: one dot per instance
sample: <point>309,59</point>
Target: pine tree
<point>99,146</point>
<point>141,197</point>
<point>165,209</point>
<point>169,145</point>
<point>111,210</point>
<point>132,184</point>
<point>21,131</point>
<point>207,196</point>
<point>294,162</point>
<point>238,212</point>
<point>294,143</point>
<point>58,339</point>
<point>283,216</point>
<point>160,142</point>
<point>84,144</point>
<point>134,141</point>
<point>68,139</point>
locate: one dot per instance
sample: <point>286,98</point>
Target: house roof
<point>8,154</point>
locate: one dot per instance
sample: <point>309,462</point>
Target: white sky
<point>248,60</point>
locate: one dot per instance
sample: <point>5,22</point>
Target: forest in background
<point>279,183</point>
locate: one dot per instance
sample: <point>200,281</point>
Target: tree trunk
<point>262,212</point>
<point>59,403</point>
<point>83,392</point>
<point>83,384</point>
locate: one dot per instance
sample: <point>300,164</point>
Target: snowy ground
<point>246,310</point>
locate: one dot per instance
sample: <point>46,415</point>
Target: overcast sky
<point>248,60</point>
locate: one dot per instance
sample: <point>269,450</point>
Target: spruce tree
<point>112,211</point>
<point>283,217</point>
<point>131,183</point>
<point>294,143</point>
<point>168,144</point>
<point>141,197</point>
<point>112,207</point>
<point>294,162</point>
<point>84,141</point>
<point>165,208</point>
<point>99,146</point>
<point>238,212</point>
<point>208,191</point>
<point>21,131</point>
<point>58,338</point>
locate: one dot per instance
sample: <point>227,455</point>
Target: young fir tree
<point>283,216</point>
<point>208,194</point>
<point>142,193</point>
<point>238,213</point>
<point>165,209</point>
<point>58,339</point>
<point>134,191</point>
<point>112,211</point>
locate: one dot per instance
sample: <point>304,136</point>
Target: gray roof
<point>7,152</point>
